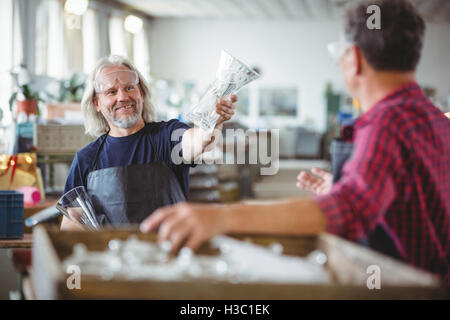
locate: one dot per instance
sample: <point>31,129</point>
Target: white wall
<point>287,52</point>
<point>5,59</point>
<point>434,66</point>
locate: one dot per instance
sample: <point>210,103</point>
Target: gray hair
<point>94,122</point>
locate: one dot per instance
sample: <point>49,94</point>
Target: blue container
<point>11,214</point>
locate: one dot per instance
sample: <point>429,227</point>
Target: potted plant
<point>71,89</point>
<point>27,95</point>
<point>28,104</point>
<point>65,96</point>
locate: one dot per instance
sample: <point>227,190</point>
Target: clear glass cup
<point>77,206</point>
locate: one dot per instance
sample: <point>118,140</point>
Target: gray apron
<point>129,194</point>
<point>379,239</point>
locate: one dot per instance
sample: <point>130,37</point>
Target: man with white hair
<point>128,171</point>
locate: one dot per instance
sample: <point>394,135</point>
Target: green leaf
<point>74,80</point>
<point>12,99</point>
<point>26,92</point>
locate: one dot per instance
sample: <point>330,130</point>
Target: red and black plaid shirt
<point>399,178</point>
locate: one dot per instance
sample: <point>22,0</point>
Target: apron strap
<point>154,149</point>
<point>94,165</point>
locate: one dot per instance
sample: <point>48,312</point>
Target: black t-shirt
<point>133,149</point>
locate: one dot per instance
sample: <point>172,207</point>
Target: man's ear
<point>352,61</point>
<point>358,56</point>
<point>142,91</point>
<point>95,102</point>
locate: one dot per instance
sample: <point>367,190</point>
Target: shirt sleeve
<point>176,130</point>
<point>358,201</point>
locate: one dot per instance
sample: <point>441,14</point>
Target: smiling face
<point>121,99</point>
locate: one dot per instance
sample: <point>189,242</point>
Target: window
<point>6,60</point>
<point>141,52</point>
<point>52,56</point>
<point>117,36</point>
<point>91,52</point>
<point>278,102</point>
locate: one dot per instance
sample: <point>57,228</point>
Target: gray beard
<point>127,122</point>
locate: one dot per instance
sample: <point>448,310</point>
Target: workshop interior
<point>224,150</point>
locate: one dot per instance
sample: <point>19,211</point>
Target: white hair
<point>94,122</point>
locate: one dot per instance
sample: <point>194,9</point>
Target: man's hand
<point>190,225</point>
<point>318,184</point>
<point>225,108</point>
<point>187,224</point>
<point>196,141</point>
<point>67,224</point>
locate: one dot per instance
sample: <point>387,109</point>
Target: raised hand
<point>225,108</point>
<point>319,182</point>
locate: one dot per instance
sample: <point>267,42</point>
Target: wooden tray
<point>347,262</point>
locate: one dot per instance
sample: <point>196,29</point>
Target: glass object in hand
<point>231,76</point>
<point>77,206</point>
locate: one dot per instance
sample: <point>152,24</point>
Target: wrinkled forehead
<point>123,76</point>
<point>109,69</point>
<point>110,73</point>
<point>107,77</point>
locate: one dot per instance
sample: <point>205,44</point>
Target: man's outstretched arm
<point>191,224</point>
<point>196,141</point>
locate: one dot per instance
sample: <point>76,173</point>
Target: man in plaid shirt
<point>394,192</point>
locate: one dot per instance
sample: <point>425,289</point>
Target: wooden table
<point>25,242</point>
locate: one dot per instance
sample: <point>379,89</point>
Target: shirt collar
<point>411,89</point>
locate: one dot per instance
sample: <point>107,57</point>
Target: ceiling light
<point>133,24</point>
<point>77,7</point>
